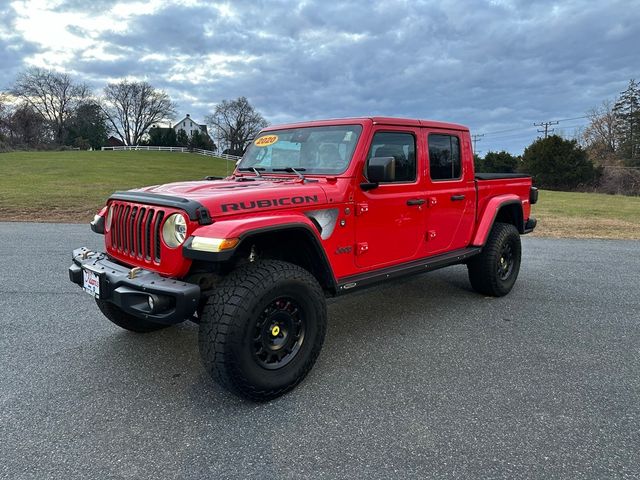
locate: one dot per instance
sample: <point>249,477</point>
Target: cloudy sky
<point>497,66</point>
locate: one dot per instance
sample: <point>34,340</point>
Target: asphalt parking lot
<point>421,378</point>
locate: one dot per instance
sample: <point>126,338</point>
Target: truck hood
<point>228,197</point>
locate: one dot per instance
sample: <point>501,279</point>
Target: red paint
<point>379,228</point>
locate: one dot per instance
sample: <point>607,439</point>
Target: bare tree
<point>51,94</point>
<point>600,136</point>
<point>27,127</point>
<point>4,117</point>
<point>237,123</point>
<point>133,107</point>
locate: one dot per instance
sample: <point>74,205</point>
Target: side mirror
<point>381,169</point>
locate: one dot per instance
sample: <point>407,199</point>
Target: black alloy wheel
<point>279,333</point>
<point>506,262</point>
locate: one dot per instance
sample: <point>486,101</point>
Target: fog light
<point>159,303</point>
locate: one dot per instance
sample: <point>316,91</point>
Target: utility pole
<point>476,137</point>
<point>546,125</point>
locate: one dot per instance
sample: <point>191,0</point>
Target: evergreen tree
<point>627,114</point>
<point>169,138</point>
<point>499,162</point>
<point>557,163</point>
<point>196,140</point>
<point>156,137</point>
<point>200,140</point>
<point>182,139</point>
<point>478,163</point>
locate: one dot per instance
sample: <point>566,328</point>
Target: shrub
<point>557,163</point>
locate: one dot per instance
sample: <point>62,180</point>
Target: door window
<point>400,146</point>
<point>444,157</point>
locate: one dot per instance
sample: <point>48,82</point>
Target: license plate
<point>91,283</point>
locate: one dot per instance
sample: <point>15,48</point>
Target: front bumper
<point>174,300</point>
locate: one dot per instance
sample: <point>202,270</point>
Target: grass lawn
<point>73,186</point>
<point>587,215</point>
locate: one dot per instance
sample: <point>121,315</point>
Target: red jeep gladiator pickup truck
<point>313,210</point>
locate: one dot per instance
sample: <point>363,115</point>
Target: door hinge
<point>431,234</point>
<point>362,208</point>
<point>363,247</point>
<point>432,201</point>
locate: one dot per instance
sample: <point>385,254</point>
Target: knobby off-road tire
<point>126,321</point>
<point>494,271</point>
<point>262,329</point>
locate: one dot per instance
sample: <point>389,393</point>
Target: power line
<point>516,129</point>
<point>506,131</point>
<point>574,118</point>
<point>476,137</point>
<point>546,126</point>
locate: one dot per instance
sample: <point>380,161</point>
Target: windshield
<point>321,150</point>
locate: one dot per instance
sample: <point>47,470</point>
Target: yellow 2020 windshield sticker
<point>266,140</point>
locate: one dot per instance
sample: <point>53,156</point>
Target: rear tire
<point>262,329</point>
<point>126,321</point>
<point>494,271</point>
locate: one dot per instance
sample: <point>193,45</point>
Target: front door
<point>390,219</point>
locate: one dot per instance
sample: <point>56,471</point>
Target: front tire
<point>126,321</point>
<point>262,329</point>
<point>494,271</point>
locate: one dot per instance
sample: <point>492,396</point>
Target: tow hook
<point>133,273</point>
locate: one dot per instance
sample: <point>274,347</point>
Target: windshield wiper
<point>255,170</point>
<point>291,170</point>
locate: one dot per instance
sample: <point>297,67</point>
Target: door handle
<point>416,201</point>
<point>455,198</point>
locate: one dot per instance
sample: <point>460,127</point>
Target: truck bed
<point>491,185</point>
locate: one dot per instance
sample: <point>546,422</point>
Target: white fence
<point>199,151</point>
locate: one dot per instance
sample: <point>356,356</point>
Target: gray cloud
<point>13,48</point>
<point>491,65</point>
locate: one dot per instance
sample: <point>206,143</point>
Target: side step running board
<point>410,268</point>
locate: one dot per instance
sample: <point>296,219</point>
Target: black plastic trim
<point>498,176</point>
<point>520,225</point>
<point>530,225</point>
<point>195,210</point>
<point>348,284</point>
<point>533,195</point>
<point>130,294</point>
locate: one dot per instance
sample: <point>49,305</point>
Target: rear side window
<point>400,146</point>
<point>444,157</point>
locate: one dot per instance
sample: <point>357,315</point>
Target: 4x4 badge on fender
<point>341,250</point>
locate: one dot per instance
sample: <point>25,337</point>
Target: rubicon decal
<point>272,202</point>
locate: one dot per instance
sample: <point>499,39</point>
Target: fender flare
<point>489,214</point>
<point>246,229</point>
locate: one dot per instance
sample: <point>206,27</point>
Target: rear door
<point>451,190</point>
<point>390,219</point>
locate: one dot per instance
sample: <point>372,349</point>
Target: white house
<point>189,125</point>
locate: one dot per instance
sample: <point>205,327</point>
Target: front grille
<point>135,231</point>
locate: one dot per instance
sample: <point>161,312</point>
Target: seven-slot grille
<point>136,230</point>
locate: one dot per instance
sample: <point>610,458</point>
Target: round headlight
<point>107,223</point>
<point>174,231</point>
